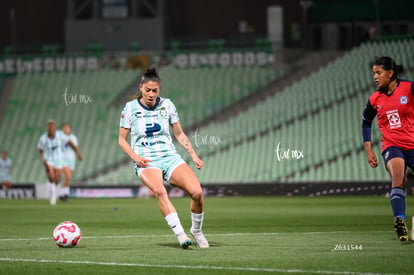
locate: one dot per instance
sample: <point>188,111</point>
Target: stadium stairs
<point>299,67</point>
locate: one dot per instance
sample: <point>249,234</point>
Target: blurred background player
<point>148,118</point>
<point>393,105</point>
<point>50,153</point>
<point>5,170</point>
<point>70,152</point>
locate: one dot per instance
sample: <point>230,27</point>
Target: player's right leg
<point>50,172</point>
<point>152,178</point>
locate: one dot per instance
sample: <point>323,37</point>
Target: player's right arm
<point>40,147</point>
<point>367,117</point>
<point>123,143</point>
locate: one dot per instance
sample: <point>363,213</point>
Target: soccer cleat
<point>184,241</point>
<point>200,240</point>
<point>401,229</point>
<point>52,200</point>
<point>64,198</point>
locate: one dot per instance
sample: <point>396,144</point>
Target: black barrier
<point>19,192</point>
<point>249,189</point>
<point>221,190</point>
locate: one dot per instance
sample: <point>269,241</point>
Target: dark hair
<point>150,75</point>
<point>387,63</point>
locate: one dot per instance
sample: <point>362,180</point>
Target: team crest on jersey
<point>394,119</point>
<point>403,99</point>
<point>163,111</point>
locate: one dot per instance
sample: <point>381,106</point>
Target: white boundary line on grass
<point>206,267</point>
<point>222,234</point>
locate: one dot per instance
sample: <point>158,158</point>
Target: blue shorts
<point>167,164</point>
<point>395,152</point>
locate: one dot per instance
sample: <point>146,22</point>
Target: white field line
<point>203,267</point>
<point>170,235</point>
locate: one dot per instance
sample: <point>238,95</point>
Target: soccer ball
<point>67,234</point>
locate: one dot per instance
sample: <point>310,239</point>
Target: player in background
<point>148,118</point>
<point>393,105</point>
<point>50,153</point>
<point>70,153</point>
<point>5,170</point>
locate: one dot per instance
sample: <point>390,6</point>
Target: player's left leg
<point>184,178</point>
<point>152,178</point>
<point>396,169</point>
<point>67,173</point>
<point>409,159</point>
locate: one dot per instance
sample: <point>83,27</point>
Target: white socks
<point>197,222</point>
<point>64,191</point>
<point>174,223</point>
<point>52,193</point>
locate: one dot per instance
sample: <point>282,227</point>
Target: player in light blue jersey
<point>70,153</point>
<point>50,152</point>
<point>5,170</point>
<point>148,119</point>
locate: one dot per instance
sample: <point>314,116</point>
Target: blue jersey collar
<point>157,102</point>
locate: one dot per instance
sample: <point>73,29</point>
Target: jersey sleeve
<point>368,116</point>
<point>41,144</point>
<point>173,113</point>
<point>412,87</point>
<point>74,140</point>
<point>125,120</point>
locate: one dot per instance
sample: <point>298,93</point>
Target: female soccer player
<point>393,104</point>
<point>70,152</point>
<point>5,170</point>
<point>50,153</point>
<point>148,118</point>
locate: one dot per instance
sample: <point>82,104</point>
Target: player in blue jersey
<point>148,119</point>
<point>70,153</point>
<point>393,105</point>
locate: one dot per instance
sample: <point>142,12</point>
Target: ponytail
<point>388,64</point>
<point>150,74</point>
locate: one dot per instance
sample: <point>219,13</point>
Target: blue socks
<point>397,198</point>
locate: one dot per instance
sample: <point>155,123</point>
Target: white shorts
<point>57,164</point>
<point>167,164</point>
<point>69,162</point>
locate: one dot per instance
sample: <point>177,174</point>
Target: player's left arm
<point>76,149</point>
<point>412,87</point>
<point>186,144</point>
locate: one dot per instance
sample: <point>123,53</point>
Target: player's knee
<point>197,195</point>
<point>160,192</point>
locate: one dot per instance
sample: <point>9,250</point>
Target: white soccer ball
<point>67,234</point>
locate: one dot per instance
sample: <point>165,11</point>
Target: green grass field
<point>247,235</point>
